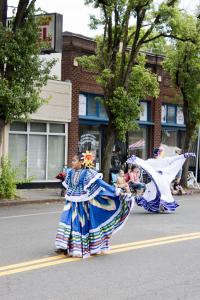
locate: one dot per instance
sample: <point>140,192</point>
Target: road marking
<point>60,259</point>
<point>31,262</point>
<point>30,215</point>
<point>156,240</point>
<point>34,267</point>
<point>154,244</point>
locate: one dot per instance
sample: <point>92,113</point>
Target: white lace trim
<point>97,176</point>
<point>64,184</point>
<point>84,197</point>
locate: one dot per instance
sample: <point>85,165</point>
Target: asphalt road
<point>154,257</point>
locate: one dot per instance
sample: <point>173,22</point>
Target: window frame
<point>47,134</point>
<point>174,122</point>
<point>167,113</point>
<point>96,116</point>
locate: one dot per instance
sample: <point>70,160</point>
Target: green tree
<point>128,25</point>
<point>22,71</point>
<point>183,65</point>
<point>8,179</point>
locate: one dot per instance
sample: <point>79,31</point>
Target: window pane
<point>91,106</point>
<point>37,157</point>
<point>138,142</point>
<point>18,126</point>
<point>82,105</point>
<point>143,111</point>
<point>17,153</point>
<point>57,128</point>
<point>90,139</point>
<point>169,137</point>
<point>102,111</point>
<point>163,113</point>
<point>56,155</point>
<point>38,127</point>
<point>179,115</point>
<point>171,114</point>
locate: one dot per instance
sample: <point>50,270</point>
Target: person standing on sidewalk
<point>94,210</point>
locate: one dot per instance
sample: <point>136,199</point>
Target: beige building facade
<point>38,148</point>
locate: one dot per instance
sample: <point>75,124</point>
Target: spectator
<point>121,181</point>
<point>134,180</point>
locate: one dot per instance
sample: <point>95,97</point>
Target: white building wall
<point>56,70</point>
<point>58,108</point>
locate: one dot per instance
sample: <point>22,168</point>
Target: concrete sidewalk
<point>29,196</point>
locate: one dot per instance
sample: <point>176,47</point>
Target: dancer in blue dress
<point>94,210</point>
<point>157,196</point>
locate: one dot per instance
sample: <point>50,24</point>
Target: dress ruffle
<point>156,204</point>
<point>85,228</point>
<point>157,196</point>
<point>91,216</point>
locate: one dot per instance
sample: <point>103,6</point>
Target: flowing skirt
<point>157,199</point>
<point>85,227</point>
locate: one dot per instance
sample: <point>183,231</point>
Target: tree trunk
<point>190,129</point>
<point>3,11</point>
<point>2,125</point>
<point>107,153</point>
<point>187,148</point>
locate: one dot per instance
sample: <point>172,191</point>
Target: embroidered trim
<point>97,176</point>
<point>84,197</point>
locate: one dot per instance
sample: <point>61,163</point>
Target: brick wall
<point>83,81</point>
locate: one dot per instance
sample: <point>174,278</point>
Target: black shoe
<point>59,251</point>
<point>65,252</point>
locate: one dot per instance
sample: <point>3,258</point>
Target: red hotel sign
<point>50,31</point>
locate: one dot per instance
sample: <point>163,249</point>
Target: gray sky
<point>76,14</point>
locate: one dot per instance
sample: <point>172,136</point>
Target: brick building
<point>161,119</point>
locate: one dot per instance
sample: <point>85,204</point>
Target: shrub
<point>8,179</point>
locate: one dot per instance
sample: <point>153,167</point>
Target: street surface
<point>154,257</point>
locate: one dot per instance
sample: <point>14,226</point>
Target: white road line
<point>30,215</point>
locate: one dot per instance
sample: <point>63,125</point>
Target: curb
<point>26,201</point>
<point>53,200</point>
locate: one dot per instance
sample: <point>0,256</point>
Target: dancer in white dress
<point>157,196</point>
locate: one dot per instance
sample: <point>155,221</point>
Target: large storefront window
<point>37,157</point>
<point>56,153</point>
<point>138,142</point>
<point>18,152</point>
<point>169,137</point>
<point>90,139</point>
<point>37,149</point>
<point>173,137</point>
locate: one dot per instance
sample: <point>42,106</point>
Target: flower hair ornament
<point>87,160</point>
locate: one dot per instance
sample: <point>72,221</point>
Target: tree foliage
<point>123,104</point>
<point>129,25</point>
<point>183,65</point>
<point>22,71</point>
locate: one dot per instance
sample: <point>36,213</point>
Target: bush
<point>8,179</point>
